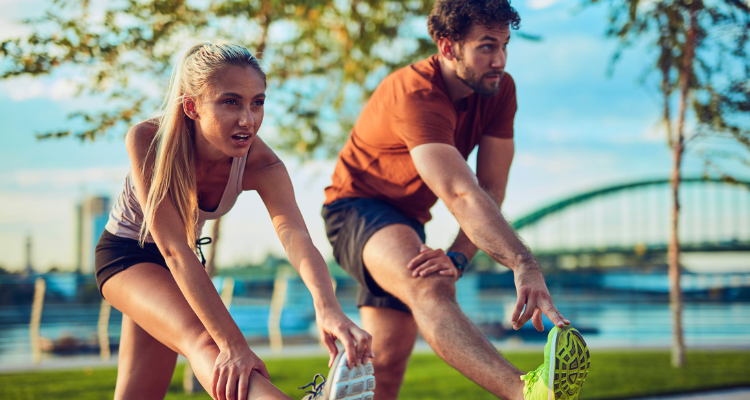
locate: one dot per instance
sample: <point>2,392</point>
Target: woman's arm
<point>169,234</point>
<point>266,174</point>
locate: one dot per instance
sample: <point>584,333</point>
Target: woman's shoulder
<point>260,160</point>
<point>261,155</point>
<point>141,135</point>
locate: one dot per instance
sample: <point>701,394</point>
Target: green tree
<point>699,51</point>
<point>323,57</point>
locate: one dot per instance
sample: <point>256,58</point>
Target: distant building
<point>93,214</point>
<point>29,269</point>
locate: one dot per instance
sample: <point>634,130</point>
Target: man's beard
<point>473,80</point>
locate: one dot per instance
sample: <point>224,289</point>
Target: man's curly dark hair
<point>452,18</point>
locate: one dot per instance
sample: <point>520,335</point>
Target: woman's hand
<point>231,377</point>
<point>333,324</point>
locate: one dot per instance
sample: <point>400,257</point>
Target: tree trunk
<point>266,11</point>
<point>678,148</point>
<point>675,291</point>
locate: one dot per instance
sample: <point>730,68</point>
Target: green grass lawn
<point>614,375</point>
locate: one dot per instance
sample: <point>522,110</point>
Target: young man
<point>409,148</point>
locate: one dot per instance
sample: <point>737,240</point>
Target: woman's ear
<point>189,107</point>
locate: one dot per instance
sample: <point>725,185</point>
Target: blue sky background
<point>576,129</point>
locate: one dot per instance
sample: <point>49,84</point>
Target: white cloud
<point>25,87</point>
<point>559,59</point>
<point>64,178</point>
<point>22,208</point>
<point>655,132</point>
<point>562,164</point>
<point>48,218</point>
<point>541,4</point>
<point>11,14</point>
<point>41,203</point>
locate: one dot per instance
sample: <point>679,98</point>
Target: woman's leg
<point>144,366</point>
<point>148,294</point>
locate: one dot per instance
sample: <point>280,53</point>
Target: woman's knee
<point>197,340</point>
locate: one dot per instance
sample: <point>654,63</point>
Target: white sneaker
<point>343,383</point>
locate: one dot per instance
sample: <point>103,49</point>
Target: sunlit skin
<point>477,63</point>
<point>230,107</point>
<point>177,310</point>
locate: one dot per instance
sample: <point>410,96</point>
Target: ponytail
<point>173,147</point>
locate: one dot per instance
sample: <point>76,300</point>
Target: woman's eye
<point>231,101</point>
<point>260,102</point>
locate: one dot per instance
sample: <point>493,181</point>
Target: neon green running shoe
<point>563,379</point>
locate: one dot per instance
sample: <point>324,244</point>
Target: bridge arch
<point>715,215</point>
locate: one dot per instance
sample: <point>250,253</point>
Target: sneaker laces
<point>532,376</point>
<point>317,388</point>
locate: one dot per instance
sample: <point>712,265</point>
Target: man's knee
<point>430,289</point>
<point>391,364</point>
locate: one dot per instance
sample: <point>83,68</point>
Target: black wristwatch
<point>459,260</point>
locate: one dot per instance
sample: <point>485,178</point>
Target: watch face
<point>461,259</point>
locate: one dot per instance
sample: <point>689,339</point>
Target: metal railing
<point>57,315</point>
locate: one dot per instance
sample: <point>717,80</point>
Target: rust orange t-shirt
<point>409,108</point>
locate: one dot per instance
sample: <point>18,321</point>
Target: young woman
<point>188,167</point>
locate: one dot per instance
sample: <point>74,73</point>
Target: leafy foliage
<point>323,57</point>
<point>719,80</point>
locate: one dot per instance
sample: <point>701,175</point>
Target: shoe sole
<point>357,383</point>
<point>572,363</point>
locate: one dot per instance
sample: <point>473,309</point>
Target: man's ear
<point>445,48</point>
<point>189,107</point>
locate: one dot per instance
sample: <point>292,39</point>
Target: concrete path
<point>728,394</point>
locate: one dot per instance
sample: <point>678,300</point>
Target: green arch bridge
<point>628,224</point>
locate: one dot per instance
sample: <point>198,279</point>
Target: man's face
<point>481,57</point>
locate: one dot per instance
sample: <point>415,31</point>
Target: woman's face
<point>229,112</point>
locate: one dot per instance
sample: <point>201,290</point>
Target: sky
<point>577,128</point>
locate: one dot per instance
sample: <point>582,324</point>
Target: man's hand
<point>533,293</point>
<point>431,261</point>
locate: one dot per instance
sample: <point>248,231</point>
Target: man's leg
<point>432,300</point>
<point>393,335</point>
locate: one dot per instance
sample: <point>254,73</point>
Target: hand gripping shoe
<point>343,383</point>
<point>566,364</point>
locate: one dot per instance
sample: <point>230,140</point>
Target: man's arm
<point>446,173</point>
<point>494,158</point>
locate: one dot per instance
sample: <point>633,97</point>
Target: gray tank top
<point>126,217</point>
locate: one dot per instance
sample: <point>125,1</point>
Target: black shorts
<point>350,223</point>
<point>114,254</point>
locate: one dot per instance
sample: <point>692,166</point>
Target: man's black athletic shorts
<point>350,223</point>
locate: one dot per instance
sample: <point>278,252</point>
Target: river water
<point>624,309</point>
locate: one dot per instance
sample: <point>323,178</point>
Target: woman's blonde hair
<point>172,149</point>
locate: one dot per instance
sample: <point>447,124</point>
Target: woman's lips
<point>241,139</point>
